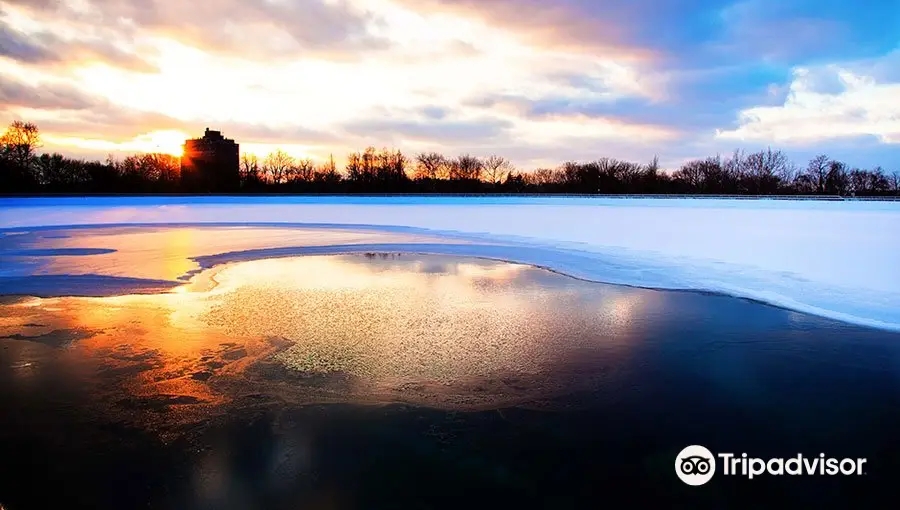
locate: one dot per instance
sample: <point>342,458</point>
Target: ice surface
<point>835,259</point>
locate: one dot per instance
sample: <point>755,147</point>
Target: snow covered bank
<point>835,259</point>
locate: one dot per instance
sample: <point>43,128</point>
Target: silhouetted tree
<point>250,171</point>
<point>54,171</point>
<point>431,165</point>
<point>277,167</point>
<point>305,170</point>
<point>817,173</point>
<point>148,173</point>
<point>545,178</point>
<point>836,180</point>
<point>166,168</point>
<point>466,167</point>
<point>692,175</point>
<point>765,172</point>
<point>515,183</point>
<point>327,178</point>
<point>895,183</point>
<point>650,180</point>
<point>18,147</point>
<point>496,168</point>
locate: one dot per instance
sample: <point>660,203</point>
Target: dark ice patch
<point>55,338</point>
<point>88,285</point>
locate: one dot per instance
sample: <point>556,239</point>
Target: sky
<point>536,81</point>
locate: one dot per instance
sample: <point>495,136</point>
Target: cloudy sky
<point>537,81</point>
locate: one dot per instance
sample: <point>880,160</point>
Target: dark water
<point>412,381</point>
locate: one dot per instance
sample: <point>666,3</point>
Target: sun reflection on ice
<point>448,331</point>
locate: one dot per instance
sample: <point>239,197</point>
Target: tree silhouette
<point>388,170</point>
<point>466,167</point>
<point>277,167</point>
<point>496,168</point>
<point>431,165</point>
<point>18,147</point>
<point>817,173</point>
<point>305,171</point>
<point>250,171</point>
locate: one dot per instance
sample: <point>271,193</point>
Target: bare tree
<point>879,181</point>
<point>353,168</point>
<point>545,177</point>
<point>895,182</point>
<point>391,165</point>
<point>430,165</point>
<point>868,182</point>
<point>385,170</point>
<point>496,168</point>
<point>18,147</point>
<point>617,175</point>
<point>370,163</point>
<point>327,173</point>
<point>736,165</point>
<point>250,168</point>
<point>164,167</point>
<point>837,182</point>
<point>52,170</point>
<point>20,142</point>
<point>692,174</point>
<point>305,170</point>
<point>650,174</point>
<point>817,172</point>
<point>766,170</point>
<point>466,167</point>
<point>278,166</point>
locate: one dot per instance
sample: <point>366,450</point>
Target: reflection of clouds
<point>493,271</point>
<point>147,343</point>
<point>624,307</point>
<point>352,272</point>
<point>383,321</point>
<point>440,264</point>
<point>165,252</point>
<point>345,316</point>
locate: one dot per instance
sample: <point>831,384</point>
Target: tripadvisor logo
<point>696,465</point>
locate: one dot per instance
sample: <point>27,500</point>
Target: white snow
<point>834,259</point>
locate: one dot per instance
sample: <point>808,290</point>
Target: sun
<point>167,141</point>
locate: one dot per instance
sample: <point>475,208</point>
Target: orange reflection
<point>165,253</point>
<point>433,330</point>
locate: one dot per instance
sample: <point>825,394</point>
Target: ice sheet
<point>835,259</point>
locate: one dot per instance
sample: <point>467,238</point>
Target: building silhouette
<point>210,164</point>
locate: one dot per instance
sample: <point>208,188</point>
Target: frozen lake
<point>386,379</point>
<point>833,259</point>
<point>336,352</point>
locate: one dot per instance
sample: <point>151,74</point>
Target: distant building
<point>210,164</point>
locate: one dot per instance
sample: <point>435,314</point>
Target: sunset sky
<point>537,81</point>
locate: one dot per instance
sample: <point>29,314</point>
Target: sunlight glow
<point>261,150</point>
<point>162,141</point>
<point>459,59</point>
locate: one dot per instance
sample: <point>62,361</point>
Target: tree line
<point>766,172</point>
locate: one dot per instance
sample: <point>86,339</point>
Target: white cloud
<point>431,59</point>
<point>825,103</point>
